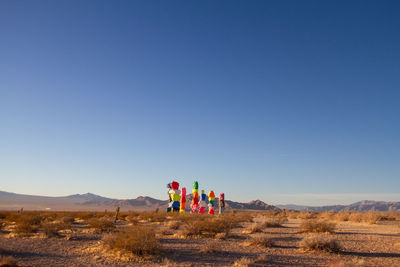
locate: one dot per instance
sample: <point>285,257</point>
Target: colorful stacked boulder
<point>221,202</point>
<point>183,201</point>
<point>203,203</point>
<point>211,199</point>
<point>195,201</point>
<point>169,208</point>
<point>174,194</point>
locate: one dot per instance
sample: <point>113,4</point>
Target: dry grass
<point>358,217</point>
<point>243,262</point>
<point>51,229</point>
<point>166,232</point>
<point>262,260</point>
<point>261,241</point>
<point>153,216</point>
<point>273,222</point>
<point>68,220</point>
<point>319,243</point>
<point>174,225</point>
<point>133,220</point>
<point>30,218</point>
<point>222,236</point>
<point>207,226</point>
<point>255,228</point>
<point>139,240</point>
<point>25,229</point>
<point>8,261</point>
<point>317,226</point>
<point>101,225</point>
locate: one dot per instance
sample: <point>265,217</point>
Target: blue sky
<point>283,101</point>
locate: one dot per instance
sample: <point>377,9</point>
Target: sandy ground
<point>363,245</point>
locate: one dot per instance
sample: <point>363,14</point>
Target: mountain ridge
<point>90,201</point>
<point>93,202</point>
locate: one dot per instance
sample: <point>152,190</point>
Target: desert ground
<point>232,239</point>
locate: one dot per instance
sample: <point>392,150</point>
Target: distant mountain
<point>94,202</point>
<point>252,205</point>
<point>292,207</point>
<point>89,197</point>
<point>361,206</point>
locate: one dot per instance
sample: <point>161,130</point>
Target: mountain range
<point>361,206</point>
<point>92,202</point>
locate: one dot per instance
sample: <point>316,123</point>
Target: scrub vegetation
<point>171,239</point>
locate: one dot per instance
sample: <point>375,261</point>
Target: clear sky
<point>283,101</point>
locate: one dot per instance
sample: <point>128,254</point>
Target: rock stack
<point>174,196</point>
<point>221,203</point>
<point>203,203</point>
<point>195,201</point>
<point>211,199</point>
<point>183,201</point>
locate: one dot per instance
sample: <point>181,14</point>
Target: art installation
<point>183,201</point>
<point>195,201</point>
<point>169,208</point>
<point>221,203</point>
<point>177,199</point>
<point>174,197</point>
<point>203,203</point>
<point>211,199</point>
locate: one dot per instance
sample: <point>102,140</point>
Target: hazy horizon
<point>287,199</point>
<point>287,102</point>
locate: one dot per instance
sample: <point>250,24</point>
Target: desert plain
<point>286,238</point>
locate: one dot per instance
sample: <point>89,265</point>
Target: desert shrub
<point>342,216</point>
<point>166,232</point>
<point>207,227</point>
<point>139,240</point>
<point>87,216</point>
<point>274,222</point>
<point>372,217</point>
<point>240,217</point>
<point>51,229</point>
<point>25,228</point>
<point>359,217</point>
<point>307,215</point>
<point>260,241</point>
<point>255,228</point>
<point>243,262</point>
<point>68,220</point>
<point>8,261</point>
<point>153,216</point>
<point>319,243</point>
<point>355,217</point>
<point>30,218</point>
<point>132,220</point>
<point>328,215</point>
<point>174,225</point>
<point>292,214</point>
<point>9,216</point>
<point>317,226</point>
<point>101,225</point>
<point>262,260</point>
